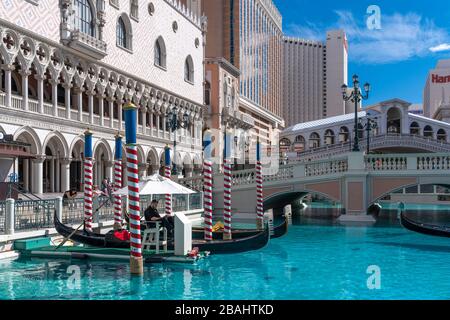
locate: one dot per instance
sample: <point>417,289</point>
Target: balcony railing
<point>33,107</point>
<point>88,45</point>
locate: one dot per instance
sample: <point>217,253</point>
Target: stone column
<point>65,174</point>
<point>67,87</point>
<point>101,108</point>
<point>40,92</point>
<point>8,69</point>
<point>55,96</point>
<point>144,119</point>
<point>25,74</point>
<point>119,104</point>
<point>79,93</point>
<point>26,174</point>
<point>37,183</point>
<point>91,106</point>
<point>111,112</point>
<point>52,175</point>
<point>58,176</point>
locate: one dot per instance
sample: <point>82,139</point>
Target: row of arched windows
<point>85,22</point>
<point>428,132</point>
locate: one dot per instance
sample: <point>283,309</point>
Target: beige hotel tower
<point>314,72</point>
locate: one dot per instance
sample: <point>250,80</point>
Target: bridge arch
<point>393,120</point>
<point>414,128</point>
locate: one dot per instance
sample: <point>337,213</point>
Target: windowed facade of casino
<point>56,82</point>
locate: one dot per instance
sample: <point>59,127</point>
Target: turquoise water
<point>314,261</point>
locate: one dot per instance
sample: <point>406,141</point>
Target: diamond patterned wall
<point>42,19</point>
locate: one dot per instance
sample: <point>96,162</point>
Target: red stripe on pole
<point>133,196</point>
<point>207,198</point>
<point>168,197</point>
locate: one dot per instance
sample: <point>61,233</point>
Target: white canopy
<point>156,184</point>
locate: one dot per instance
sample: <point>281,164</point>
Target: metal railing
<point>33,214</point>
<point>2,217</point>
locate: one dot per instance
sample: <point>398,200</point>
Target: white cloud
<point>401,37</point>
<point>441,47</point>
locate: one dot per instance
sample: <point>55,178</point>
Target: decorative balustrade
<point>433,162</point>
<point>243,177</point>
<point>48,109</point>
<point>282,173</point>
<point>321,168</point>
<point>33,105</point>
<point>16,102</point>
<point>376,142</point>
<point>386,163</point>
<point>61,112</point>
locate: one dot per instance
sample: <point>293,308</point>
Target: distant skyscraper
<point>314,72</point>
<point>437,89</point>
<point>244,45</point>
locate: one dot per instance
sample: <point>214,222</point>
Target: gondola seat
<point>155,236</point>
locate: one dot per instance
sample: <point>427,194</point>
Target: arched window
<point>84,17</point>
<point>428,132</point>
<point>123,32</point>
<point>442,135</point>
<point>314,140</point>
<point>160,53</point>
<point>189,69</point>
<point>394,117</point>
<point>414,129</point>
<point>329,137</point>
<point>299,144</point>
<point>343,134</point>
<point>285,145</point>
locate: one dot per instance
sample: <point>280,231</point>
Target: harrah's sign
<point>440,79</point>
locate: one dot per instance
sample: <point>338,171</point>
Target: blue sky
<point>395,59</point>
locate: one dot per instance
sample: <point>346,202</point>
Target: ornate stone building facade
<point>71,64</point>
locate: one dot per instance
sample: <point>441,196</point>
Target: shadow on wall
<point>278,201</point>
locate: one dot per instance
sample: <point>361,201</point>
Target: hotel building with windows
<point>72,64</point>
<point>314,72</point>
<point>244,66</point>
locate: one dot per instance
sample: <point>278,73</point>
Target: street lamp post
<point>173,123</point>
<point>356,96</point>
<point>370,125</point>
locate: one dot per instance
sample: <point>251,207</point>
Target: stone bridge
<point>354,180</point>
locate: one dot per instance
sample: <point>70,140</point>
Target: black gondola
<point>424,228</point>
<point>278,231</point>
<point>254,242</point>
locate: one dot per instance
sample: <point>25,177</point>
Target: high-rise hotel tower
<point>244,56</point>
<point>314,72</point>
